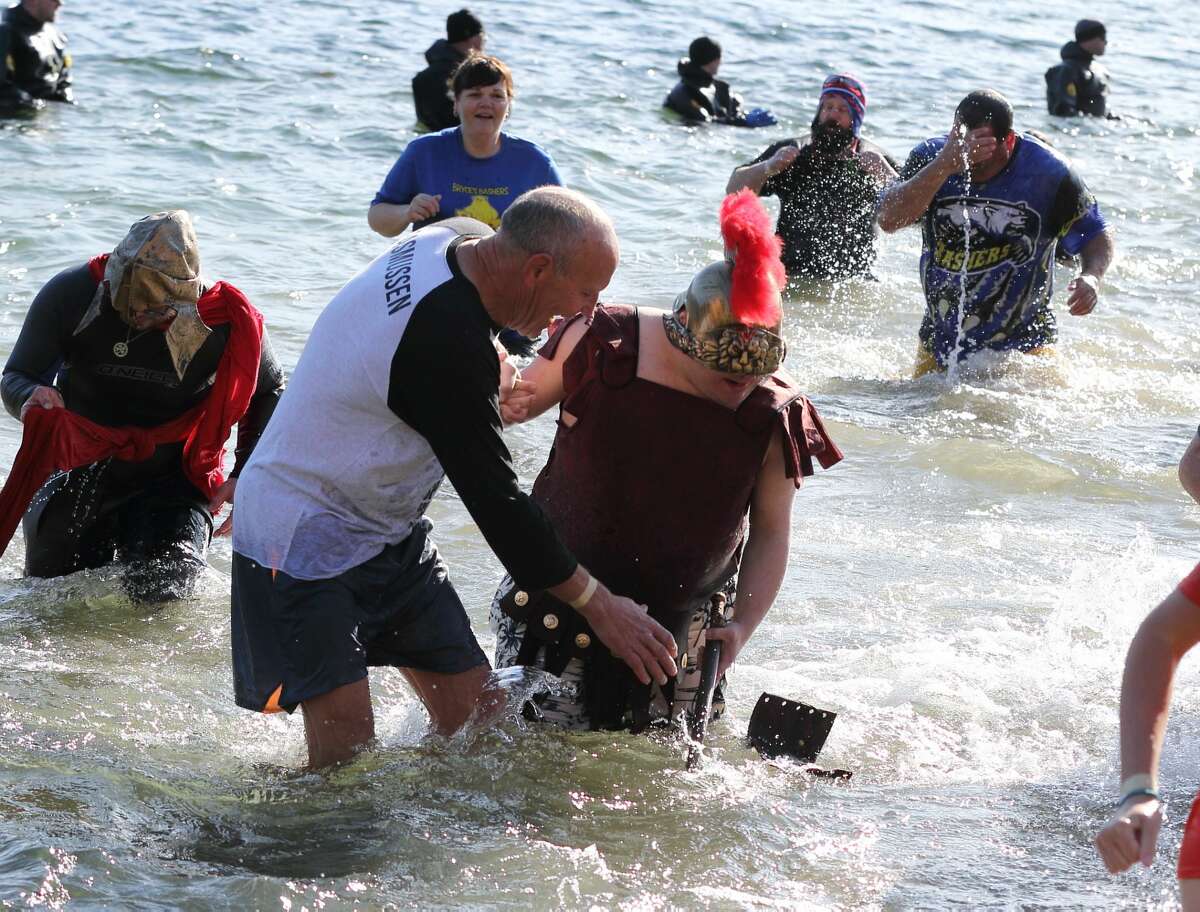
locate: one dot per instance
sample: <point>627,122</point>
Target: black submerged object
<point>786,728</point>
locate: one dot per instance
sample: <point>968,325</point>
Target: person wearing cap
<point>675,428</point>
<point>1165,636</point>
<point>398,387</point>
<point>699,97</point>
<point>128,374</point>
<point>827,186</point>
<point>431,86</point>
<point>34,64</point>
<point>994,208</point>
<point>1079,85</point>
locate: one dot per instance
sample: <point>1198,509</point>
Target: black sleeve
<point>683,102</point>
<point>12,96</point>
<point>444,381</point>
<point>1071,202</point>
<point>262,405</point>
<point>770,187</point>
<point>1062,98</point>
<point>55,312</point>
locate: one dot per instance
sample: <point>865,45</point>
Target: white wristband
<point>586,596</point>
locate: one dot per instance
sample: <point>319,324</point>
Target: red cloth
<point>1189,852</point>
<point>1190,586</point>
<point>58,440</point>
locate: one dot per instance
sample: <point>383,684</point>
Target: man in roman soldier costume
<point>129,373</point>
<point>680,445</point>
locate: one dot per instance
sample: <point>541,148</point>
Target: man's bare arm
<point>765,558</point>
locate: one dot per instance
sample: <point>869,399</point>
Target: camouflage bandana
<point>156,267</point>
<point>713,337</point>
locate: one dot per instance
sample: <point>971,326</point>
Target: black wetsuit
<point>1078,85</point>
<point>431,89</point>
<point>702,98</point>
<point>826,212</point>
<point>35,63</point>
<point>147,514</point>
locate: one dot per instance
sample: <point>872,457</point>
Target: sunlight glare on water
<point>962,588</point>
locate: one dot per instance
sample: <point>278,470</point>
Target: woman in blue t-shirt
<point>472,169</point>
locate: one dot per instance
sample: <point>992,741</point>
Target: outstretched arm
<point>542,381</point>
<point>1164,637</point>
<point>765,558</point>
<point>1189,468</point>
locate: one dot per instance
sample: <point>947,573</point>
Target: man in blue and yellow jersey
<point>994,209</point>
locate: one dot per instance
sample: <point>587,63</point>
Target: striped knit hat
<point>855,93</point>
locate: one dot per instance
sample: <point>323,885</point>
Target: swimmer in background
<point>700,97</point>
<point>1167,634</point>
<point>34,64</point>
<point>1079,85</point>
<point>431,86</point>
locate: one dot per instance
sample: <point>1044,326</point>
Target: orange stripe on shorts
<point>273,701</point>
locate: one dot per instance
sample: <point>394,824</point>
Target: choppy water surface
<point>962,588</point>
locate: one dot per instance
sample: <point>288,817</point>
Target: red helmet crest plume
<point>758,273</point>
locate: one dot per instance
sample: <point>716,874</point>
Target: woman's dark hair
<point>986,106</point>
<point>481,70</point>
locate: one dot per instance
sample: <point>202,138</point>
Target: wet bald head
<point>560,223</point>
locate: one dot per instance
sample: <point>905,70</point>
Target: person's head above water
<point>483,94</point>
<point>706,54</point>
<point>843,102</point>
<point>555,251</point>
<point>840,113</point>
<point>729,317</point>
<point>988,112</point>
<point>984,108</point>
<point>1092,36</point>
<point>42,10</point>
<point>465,31</point>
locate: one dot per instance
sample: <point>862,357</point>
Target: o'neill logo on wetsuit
<point>397,280</point>
<point>984,232</point>
<point>127,372</point>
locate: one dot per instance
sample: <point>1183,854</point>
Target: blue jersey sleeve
<point>1088,226</point>
<point>400,186</point>
<point>552,175</point>
<point>919,157</point>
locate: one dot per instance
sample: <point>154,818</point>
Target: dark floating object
<point>786,728</point>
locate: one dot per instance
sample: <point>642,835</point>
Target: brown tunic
<point>650,488</point>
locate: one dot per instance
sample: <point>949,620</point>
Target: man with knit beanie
<point>1079,85</point>
<point>827,184</point>
<point>431,86</point>
<point>699,97</point>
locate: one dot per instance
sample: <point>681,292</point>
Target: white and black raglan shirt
<point>396,388</point>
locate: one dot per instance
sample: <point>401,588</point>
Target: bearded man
<point>128,375</point>
<point>827,186</point>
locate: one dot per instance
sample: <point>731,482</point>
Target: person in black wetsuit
<point>827,186</point>
<point>34,64</point>
<point>699,97</point>
<point>431,86</point>
<point>129,350</point>
<point>1079,85</point>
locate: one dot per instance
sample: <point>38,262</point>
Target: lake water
<point>962,588</point>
